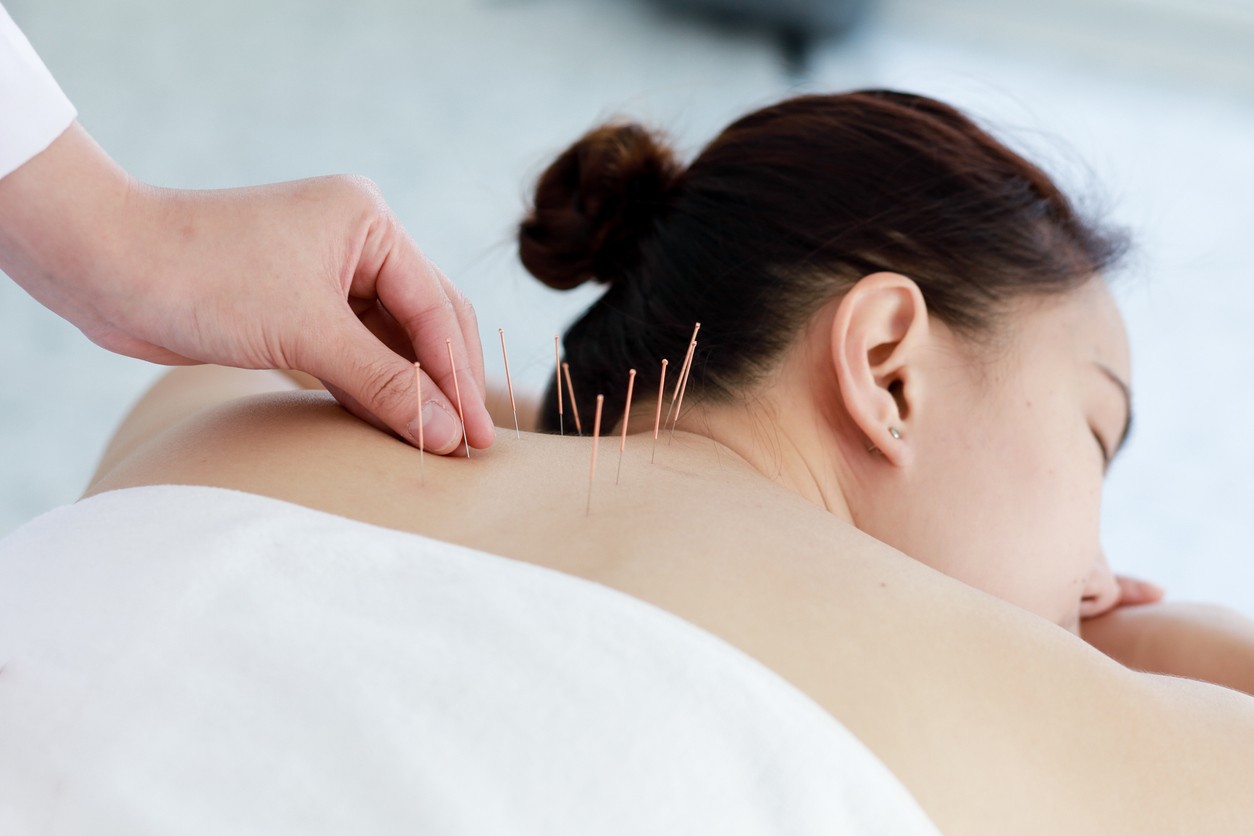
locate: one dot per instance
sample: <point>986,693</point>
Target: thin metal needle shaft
<point>657,417</point>
<point>509,383</point>
<point>683,387</point>
<point>461,416</point>
<point>574,406</point>
<point>622,443</point>
<point>557,365</point>
<point>596,436</point>
<point>422,441</point>
<point>683,370</point>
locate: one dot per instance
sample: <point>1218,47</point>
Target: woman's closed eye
<point>1109,452</point>
<point>1101,445</point>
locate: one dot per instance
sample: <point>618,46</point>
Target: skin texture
<point>995,717</point>
<point>285,276</point>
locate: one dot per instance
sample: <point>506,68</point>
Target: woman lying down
<point>860,592</point>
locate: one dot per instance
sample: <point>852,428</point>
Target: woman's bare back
<point>996,720</point>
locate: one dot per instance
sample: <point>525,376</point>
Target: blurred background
<point>1145,107</point>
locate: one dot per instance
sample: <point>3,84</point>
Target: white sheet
<point>199,661</point>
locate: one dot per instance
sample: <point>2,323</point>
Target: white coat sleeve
<point>33,110</point>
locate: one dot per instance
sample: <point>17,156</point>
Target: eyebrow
<point>1127,402</point>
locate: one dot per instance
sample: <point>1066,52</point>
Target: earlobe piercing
<point>893,431</point>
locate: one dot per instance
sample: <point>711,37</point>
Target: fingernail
<point>441,431</point>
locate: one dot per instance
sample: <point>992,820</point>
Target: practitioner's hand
<point>266,277</point>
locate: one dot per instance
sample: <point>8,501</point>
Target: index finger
<point>431,311</point>
<point>465,313</point>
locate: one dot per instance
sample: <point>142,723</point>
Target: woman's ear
<point>879,326</point>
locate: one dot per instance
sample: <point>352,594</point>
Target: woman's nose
<point>1101,590</point>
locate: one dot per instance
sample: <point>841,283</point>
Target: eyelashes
<point>1101,445</point>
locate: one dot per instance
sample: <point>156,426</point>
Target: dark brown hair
<point>783,211</point>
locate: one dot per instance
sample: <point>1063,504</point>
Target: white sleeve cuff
<point>33,110</point>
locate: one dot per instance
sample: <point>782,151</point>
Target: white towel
<point>180,660</point>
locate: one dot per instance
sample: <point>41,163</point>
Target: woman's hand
<point>1198,641</point>
<point>1127,621</point>
<point>273,276</point>
<point>1104,590</point>
<point>1133,592</point>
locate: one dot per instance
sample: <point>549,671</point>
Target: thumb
<point>380,387</point>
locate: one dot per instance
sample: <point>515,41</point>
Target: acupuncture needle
<point>596,436</point>
<point>683,369</point>
<point>657,417</point>
<point>681,383</point>
<point>422,442</point>
<point>458,389</point>
<point>682,388</point>
<point>622,444</point>
<point>570,390</point>
<point>509,383</point>
<point>557,354</point>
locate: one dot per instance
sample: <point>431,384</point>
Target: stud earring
<point>893,431</point>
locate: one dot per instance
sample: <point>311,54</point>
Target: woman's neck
<point>787,449</point>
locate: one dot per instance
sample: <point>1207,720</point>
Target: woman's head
<point>997,473</point>
<point>804,223</point>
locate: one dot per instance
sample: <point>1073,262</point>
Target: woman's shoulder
<point>993,718</point>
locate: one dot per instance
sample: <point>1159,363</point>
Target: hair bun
<point>594,203</point>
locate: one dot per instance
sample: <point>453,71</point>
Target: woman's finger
<point>1133,591</point>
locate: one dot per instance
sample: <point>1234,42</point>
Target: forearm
<point>1198,641</point>
<point>267,277</point>
<point>63,219</point>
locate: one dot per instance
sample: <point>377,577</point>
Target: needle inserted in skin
<point>458,389</point>
<point>570,390</point>
<point>557,365</point>
<point>622,443</point>
<point>683,387</point>
<point>422,442</point>
<point>683,370</point>
<point>657,417</point>
<point>682,379</point>
<point>596,435</point>
<point>509,383</point>
<point>679,381</point>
